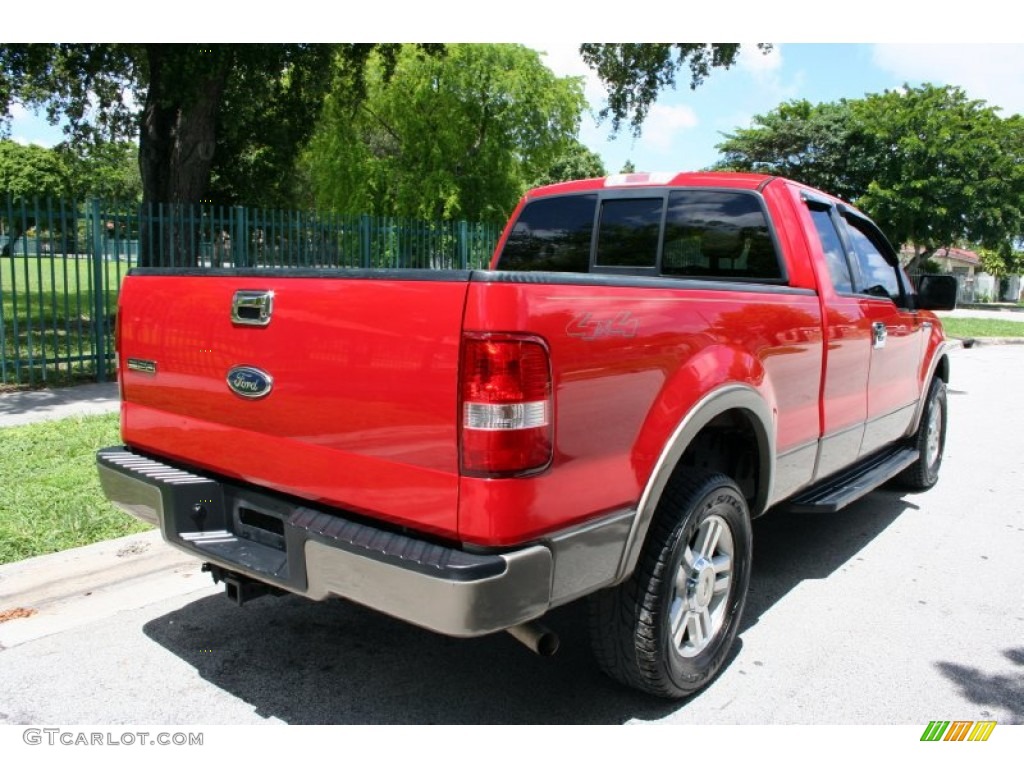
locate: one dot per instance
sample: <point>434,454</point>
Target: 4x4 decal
<point>588,327</point>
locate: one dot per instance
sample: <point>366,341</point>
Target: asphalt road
<point>900,610</point>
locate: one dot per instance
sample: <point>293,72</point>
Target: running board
<point>843,489</point>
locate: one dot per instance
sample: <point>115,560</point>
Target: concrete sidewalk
<point>27,407</point>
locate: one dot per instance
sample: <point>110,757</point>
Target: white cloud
<point>664,122</point>
<point>19,111</point>
<point>752,59</point>
<point>993,72</point>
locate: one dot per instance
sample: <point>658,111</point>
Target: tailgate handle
<point>252,307</point>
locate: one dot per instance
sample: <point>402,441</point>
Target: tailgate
<point>346,395</point>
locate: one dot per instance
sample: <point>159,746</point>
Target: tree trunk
<point>920,258</point>
<point>176,147</point>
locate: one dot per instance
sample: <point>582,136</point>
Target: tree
<point>932,167</point>
<point>816,144</point>
<point>28,174</point>
<point>635,73</point>
<point>108,170</point>
<point>238,114</point>
<point>458,136</point>
<point>242,111</point>
<point>182,90</point>
<point>35,179</point>
<point>946,169</point>
<point>576,162</point>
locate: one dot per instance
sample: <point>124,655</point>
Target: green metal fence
<point>61,265</point>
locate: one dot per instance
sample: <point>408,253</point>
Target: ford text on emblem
<point>249,382</point>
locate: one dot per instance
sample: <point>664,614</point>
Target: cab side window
<point>878,275</point>
<point>832,246</point>
<point>552,235</point>
<point>721,235</point>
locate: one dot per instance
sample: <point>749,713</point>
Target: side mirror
<point>936,292</point>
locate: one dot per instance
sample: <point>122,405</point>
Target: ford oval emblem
<point>246,381</point>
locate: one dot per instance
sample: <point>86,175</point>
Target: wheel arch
<point>732,406</point>
<point>939,367</point>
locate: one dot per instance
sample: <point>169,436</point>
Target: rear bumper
<point>316,554</point>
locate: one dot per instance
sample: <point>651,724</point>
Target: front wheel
<point>668,629</point>
<point>929,440</point>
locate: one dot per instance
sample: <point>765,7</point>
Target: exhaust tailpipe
<point>536,637</point>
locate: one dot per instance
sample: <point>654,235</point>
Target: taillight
<point>506,404</point>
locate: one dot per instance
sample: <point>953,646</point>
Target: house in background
<point>975,285</point>
<point>957,261</point>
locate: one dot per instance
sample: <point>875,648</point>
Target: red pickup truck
<point>651,362</point>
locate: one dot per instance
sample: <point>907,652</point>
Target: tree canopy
<point>811,143</point>
<point>108,170</point>
<point>634,74</point>
<point>575,162</point>
<point>235,115</point>
<point>458,136</point>
<point>35,178</point>
<point>29,172</point>
<point>931,166</point>
<point>226,122</point>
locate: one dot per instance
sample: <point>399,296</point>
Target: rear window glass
<point>628,236</point>
<point>552,234</point>
<point>718,234</point>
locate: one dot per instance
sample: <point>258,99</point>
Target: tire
<point>929,440</point>
<point>668,629</point>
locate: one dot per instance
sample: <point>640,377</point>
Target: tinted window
<point>628,235</point>
<point>552,234</point>
<point>720,235</point>
<point>838,266</point>
<point>877,276</point>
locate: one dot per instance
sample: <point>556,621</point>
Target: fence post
<point>239,238</point>
<point>463,245</point>
<point>99,315</point>
<point>364,239</point>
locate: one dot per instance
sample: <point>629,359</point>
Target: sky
<point>684,126</point>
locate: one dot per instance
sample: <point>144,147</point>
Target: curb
<point>992,307</point>
<point>48,594</point>
<point>985,341</point>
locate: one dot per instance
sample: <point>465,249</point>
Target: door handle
<point>880,333</point>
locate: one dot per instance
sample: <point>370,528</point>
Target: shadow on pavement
<point>24,406</point>
<point>1003,691</point>
<point>793,548</point>
<point>336,662</point>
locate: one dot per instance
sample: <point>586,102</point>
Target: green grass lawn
<point>976,328</point>
<point>48,326</point>
<point>50,497</point>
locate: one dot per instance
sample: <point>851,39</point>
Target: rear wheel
<point>668,629</point>
<point>929,440</point>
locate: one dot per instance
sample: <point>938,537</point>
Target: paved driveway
<point>900,610</point>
